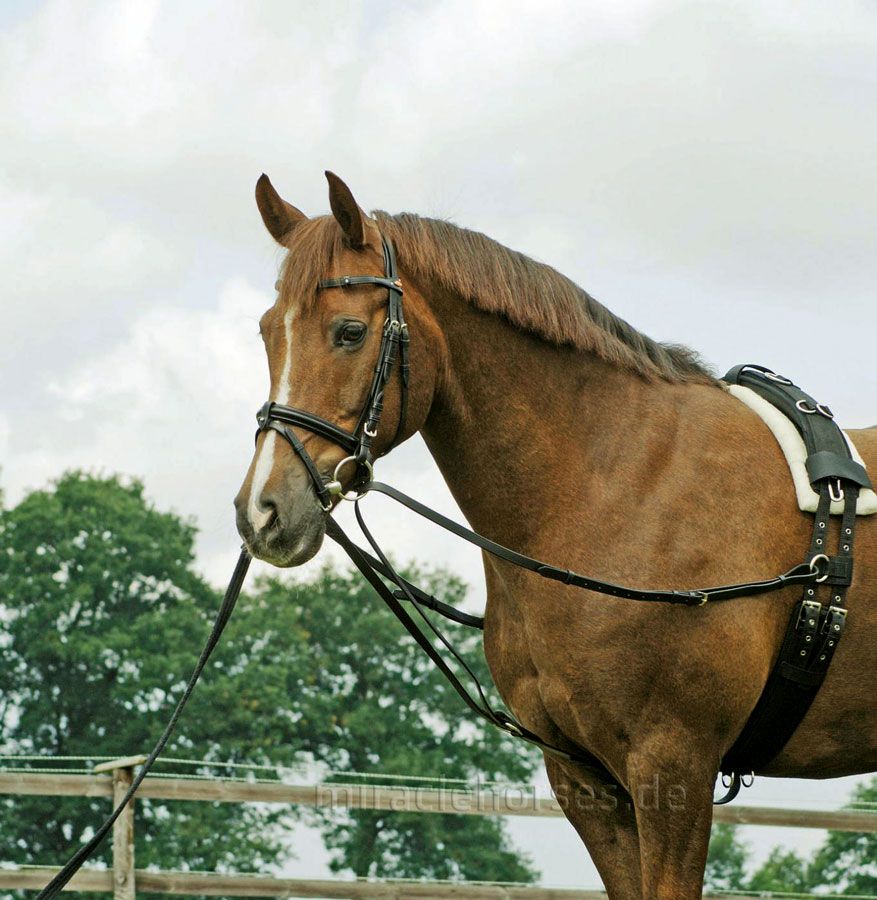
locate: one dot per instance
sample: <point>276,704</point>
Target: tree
<point>374,702</point>
<point>847,862</point>
<point>783,871</point>
<point>102,618</point>
<point>726,860</point>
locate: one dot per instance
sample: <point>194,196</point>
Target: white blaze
<point>265,457</point>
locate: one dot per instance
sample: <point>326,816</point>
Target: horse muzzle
<point>282,531</point>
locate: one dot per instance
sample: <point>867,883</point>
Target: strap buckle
<point>264,414</point>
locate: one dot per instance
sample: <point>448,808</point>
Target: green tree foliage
<point>101,620</point>
<point>375,702</point>
<point>783,870</point>
<point>846,863</point>
<point>102,616</point>
<point>726,861</point>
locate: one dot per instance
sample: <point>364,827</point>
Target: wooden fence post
<point>123,828</point>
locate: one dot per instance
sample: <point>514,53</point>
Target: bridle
<point>357,443</point>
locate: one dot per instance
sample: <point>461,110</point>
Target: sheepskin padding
<point>792,445</point>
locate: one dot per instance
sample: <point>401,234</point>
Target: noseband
<point>357,443</point>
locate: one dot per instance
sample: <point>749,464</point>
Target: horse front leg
<point>602,814</point>
<point>672,790</point>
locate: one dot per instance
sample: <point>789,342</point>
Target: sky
<point>707,169</point>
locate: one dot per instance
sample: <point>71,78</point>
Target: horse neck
<point>521,425</point>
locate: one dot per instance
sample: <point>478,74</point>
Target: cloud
<point>718,203</point>
<point>172,402</point>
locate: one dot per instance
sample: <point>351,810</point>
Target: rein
<point>74,864</point>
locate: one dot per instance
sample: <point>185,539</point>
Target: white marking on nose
<point>258,515</point>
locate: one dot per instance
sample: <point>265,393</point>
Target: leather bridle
<point>357,443</point>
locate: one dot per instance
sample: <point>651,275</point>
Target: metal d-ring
<point>747,780</point>
<point>334,486</point>
<point>820,557</point>
<point>804,408</point>
<point>835,498</point>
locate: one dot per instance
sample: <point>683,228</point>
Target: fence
<point>111,780</point>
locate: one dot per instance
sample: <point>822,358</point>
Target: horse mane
<point>529,294</point>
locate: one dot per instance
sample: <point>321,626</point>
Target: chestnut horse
<point>568,435</point>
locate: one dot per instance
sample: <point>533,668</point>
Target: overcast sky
<point>706,169</point>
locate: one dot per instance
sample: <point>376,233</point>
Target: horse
<point>565,433</point>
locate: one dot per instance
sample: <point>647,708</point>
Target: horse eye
<point>350,333</point>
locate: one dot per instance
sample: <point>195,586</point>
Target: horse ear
<point>279,216</point>
<point>353,221</point>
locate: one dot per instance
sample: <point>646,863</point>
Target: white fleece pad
<point>793,446</point>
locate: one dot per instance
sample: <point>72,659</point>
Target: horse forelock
<point>312,246</point>
<point>529,294</point>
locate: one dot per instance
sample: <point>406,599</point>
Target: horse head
<point>327,349</point>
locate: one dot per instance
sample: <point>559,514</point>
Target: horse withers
<point>568,435</point>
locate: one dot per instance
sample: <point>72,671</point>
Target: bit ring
<point>335,488</point>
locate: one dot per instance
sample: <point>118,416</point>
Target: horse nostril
<point>269,514</point>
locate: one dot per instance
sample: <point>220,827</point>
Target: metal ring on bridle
<point>820,558</point>
<point>335,488</point>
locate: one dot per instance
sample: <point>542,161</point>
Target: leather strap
<point>344,281</point>
<point>394,342</point>
<point>480,705</point>
<point>825,464</point>
<point>271,411</point>
<point>814,631</point>
<point>333,530</point>
<point>232,592</point>
<point>804,573</point>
